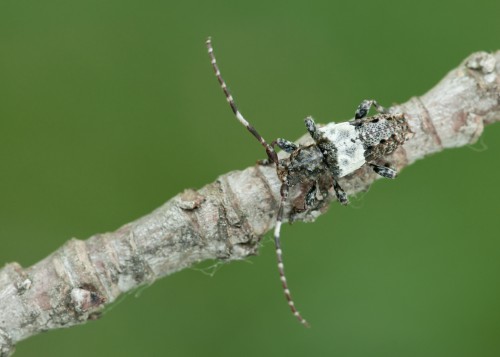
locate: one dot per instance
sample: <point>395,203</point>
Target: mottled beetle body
<point>339,150</point>
<point>348,146</point>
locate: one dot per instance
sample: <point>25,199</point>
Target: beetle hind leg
<point>384,171</point>
<point>364,108</point>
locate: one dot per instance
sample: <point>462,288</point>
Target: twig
<point>223,220</point>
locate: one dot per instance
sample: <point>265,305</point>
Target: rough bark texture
<point>223,220</point>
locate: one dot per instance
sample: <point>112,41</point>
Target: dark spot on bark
<point>95,298</point>
<point>94,316</point>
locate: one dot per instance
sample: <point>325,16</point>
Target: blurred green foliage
<point>109,108</point>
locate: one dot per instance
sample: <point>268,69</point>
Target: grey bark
<point>223,220</point>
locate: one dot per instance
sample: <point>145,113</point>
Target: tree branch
<point>224,220</point>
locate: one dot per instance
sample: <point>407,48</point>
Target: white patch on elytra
<point>350,151</point>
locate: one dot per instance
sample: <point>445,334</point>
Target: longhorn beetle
<point>339,150</point>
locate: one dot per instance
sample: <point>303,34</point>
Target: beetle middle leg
<point>340,193</point>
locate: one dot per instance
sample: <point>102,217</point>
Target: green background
<point>109,108</point>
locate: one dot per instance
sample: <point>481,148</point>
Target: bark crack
<point>427,124</point>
